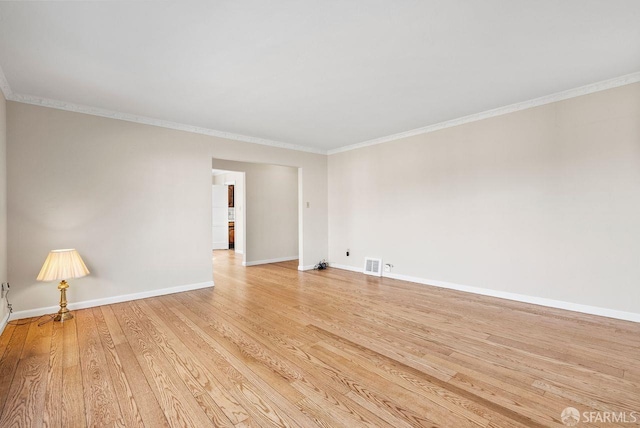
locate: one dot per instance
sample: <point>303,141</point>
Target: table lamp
<point>61,265</point>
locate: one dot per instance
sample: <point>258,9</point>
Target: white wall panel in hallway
<point>220,211</point>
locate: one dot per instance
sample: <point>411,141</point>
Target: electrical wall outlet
<point>5,289</point>
<point>387,267</point>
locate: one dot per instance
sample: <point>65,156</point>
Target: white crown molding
<point>4,86</point>
<point>547,99</point>
<point>95,111</point>
<point>111,300</point>
<point>541,301</point>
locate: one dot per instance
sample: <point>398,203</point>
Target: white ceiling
<point>318,74</point>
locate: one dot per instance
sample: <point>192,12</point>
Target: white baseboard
<point>264,262</point>
<point>551,303</point>
<point>346,267</point>
<point>307,267</point>
<point>4,322</point>
<point>110,300</point>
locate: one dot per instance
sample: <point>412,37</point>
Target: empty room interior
<point>320,213</point>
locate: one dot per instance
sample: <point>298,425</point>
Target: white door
<point>220,224</point>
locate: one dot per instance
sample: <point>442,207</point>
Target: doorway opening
<point>228,210</point>
<point>261,202</point>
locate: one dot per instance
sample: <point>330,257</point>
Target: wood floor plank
<point>176,400</point>
<point>217,388</point>
<point>146,402</point>
<point>270,346</point>
<point>101,405</point>
<point>258,391</point>
<point>150,410</point>
<point>423,384</point>
<point>288,347</point>
<point>53,399</point>
<point>5,338</point>
<point>342,407</point>
<point>73,409</point>
<point>318,414</point>
<point>368,387</point>
<point>206,349</point>
<point>195,375</point>
<point>11,357</point>
<point>418,386</point>
<point>280,371</point>
<point>25,401</point>
<point>122,388</point>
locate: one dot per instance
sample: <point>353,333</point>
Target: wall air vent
<point>372,266</point>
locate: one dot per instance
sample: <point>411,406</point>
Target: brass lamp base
<point>63,316</point>
<point>63,313</point>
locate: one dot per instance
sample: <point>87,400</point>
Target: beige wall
<point>543,202</point>
<point>3,201</point>
<point>135,200</point>
<point>238,178</point>
<point>271,197</point>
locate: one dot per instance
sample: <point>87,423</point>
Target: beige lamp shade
<point>62,264</point>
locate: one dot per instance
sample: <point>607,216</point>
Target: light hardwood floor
<point>271,346</point>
